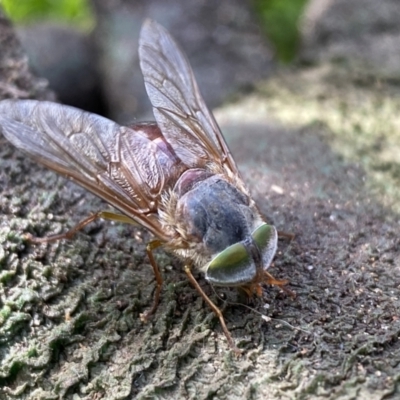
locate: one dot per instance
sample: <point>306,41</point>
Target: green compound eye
<point>266,238</point>
<point>231,267</point>
<point>263,234</point>
<point>234,266</point>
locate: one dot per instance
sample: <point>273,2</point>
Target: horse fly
<point>175,177</point>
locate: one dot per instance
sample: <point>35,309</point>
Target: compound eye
<point>266,238</point>
<point>231,267</point>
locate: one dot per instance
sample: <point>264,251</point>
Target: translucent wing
<point>179,109</point>
<point>118,164</point>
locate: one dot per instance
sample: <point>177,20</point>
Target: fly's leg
<point>108,215</point>
<point>159,280</point>
<point>286,235</point>
<point>276,282</point>
<point>216,310</point>
<point>270,280</point>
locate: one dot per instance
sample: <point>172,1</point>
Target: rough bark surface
<point>320,153</point>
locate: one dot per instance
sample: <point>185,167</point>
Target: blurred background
<point>87,49</point>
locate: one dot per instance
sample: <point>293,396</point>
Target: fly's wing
<point>116,163</point>
<point>179,108</point>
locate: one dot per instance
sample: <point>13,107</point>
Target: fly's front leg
<point>159,280</point>
<point>270,280</point>
<point>108,215</point>
<point>216,310</point>
<point>286,235</point>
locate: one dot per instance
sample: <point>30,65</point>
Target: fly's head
<point>227,237</point>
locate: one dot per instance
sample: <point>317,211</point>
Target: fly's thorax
<point>212,213</point>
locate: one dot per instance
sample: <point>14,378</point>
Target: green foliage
<point>76,12</point>
<point>280,18</point>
